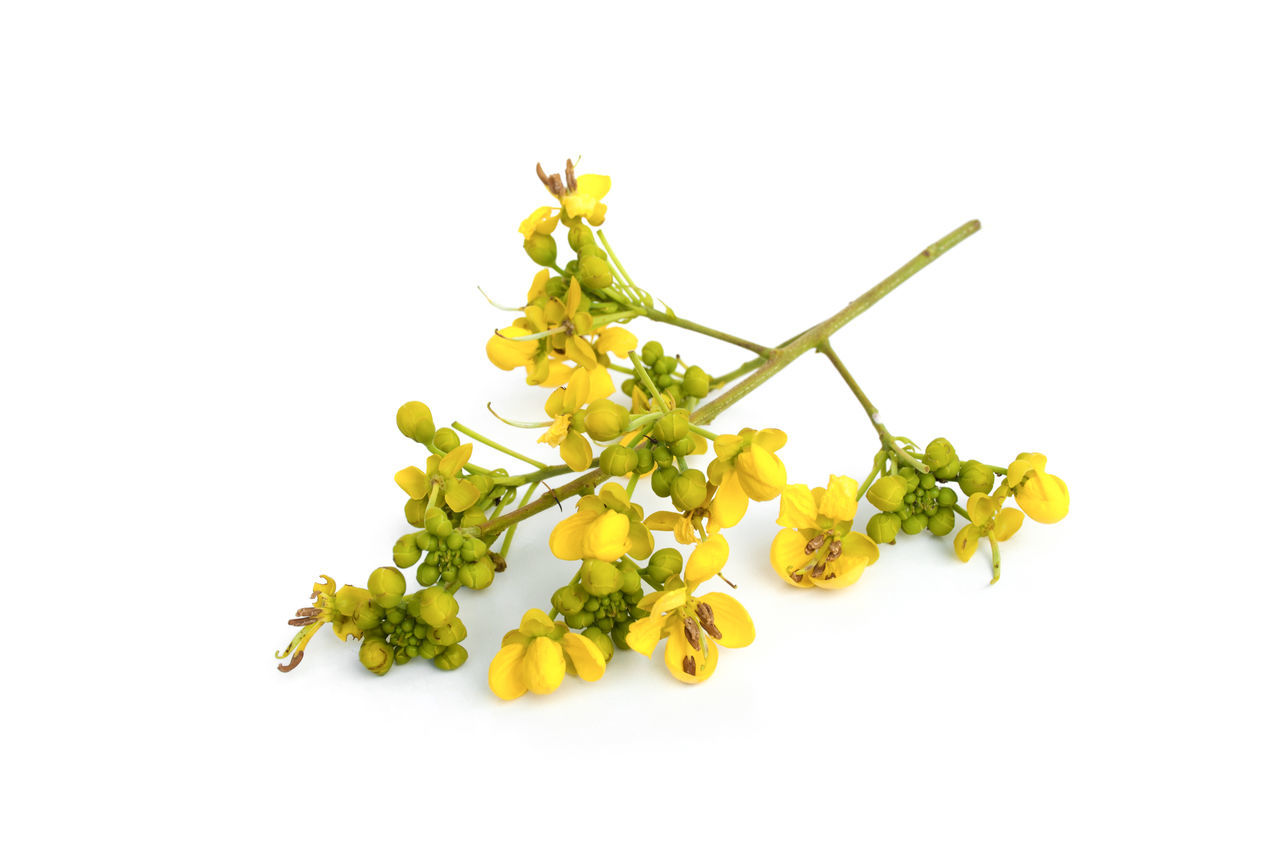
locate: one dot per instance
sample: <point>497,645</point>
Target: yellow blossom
<point>330,606</point>
<point>605,526</point>
<point>692,625</point>
<point>1042,496</point>
<point>580,194</point>
<point>561,406</point>
<point>986,519</point>
<point>536,656</point>
<point>746,467</point>
<point>817,546</point>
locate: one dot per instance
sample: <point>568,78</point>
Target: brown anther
<point>708,619</point>
<point>818,571</point>
<point>309,612</point>
<point>692,633</point>
<point>499,562</point>
<point>293,662</point>
<point>690,666</point>
<point>542,175</point>
<point>556,187</point>
<point>569,177</point>
<point>835,550</point>
<point>814,544</point>
<point>302,621</point>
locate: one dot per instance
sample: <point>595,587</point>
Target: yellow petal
<point>558,373</point>
<point>588,661</point>
<point>787,553</point>
<point>982,508</point>
<point>663,520</point>
<point>616,340</point>
<point>839,573</point>
<point>413,481</point>
<point>539,221</point>
<point>505,677</point>
<point>729,505</point>
<point>596,218</point>
<point>1044,497</point>
<point>704,658</point>
<point>840,501</point>
<point>507,354</point>
<point>608,537</point>
<point>538,287</point>
<point>460,495</point>
<point>569,535</point>
<point>966,542</point>
<point>573,298</point>
<point>641,541</point>
<point>577,390</point>
<point>645,633</point>
<point>575,451</point>
<point>770,439</point>
<point>798,508</point>
<point>733,621</point>
<point>708,558</point>
<point>599,384</point>
<point>1007,523</point>
<point>456,459</point>
<point>516,636</point>
<point>536,623</point>
<point>594,186</point>
<point>577,350</point>
<point>726,445</point>
<point>543,665</point>
<point>761,472</point>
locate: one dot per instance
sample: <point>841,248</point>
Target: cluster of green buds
<point>398,628</point>
<point>601,600</point>
<point>684,385</point>
<point>911,501</point>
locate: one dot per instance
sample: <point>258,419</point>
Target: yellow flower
<point>561,406</point>
<point>693,625</point>
<point>536,656</point>
<point>817,546</point>
<point>327,609</point>
<point>441,472</point>
<point>1043,496</point>
<point>580,194</point>
<point>606,526</point>
<point>986,519</point>
<point>746,467</point>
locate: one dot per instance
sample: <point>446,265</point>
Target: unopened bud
<point>600,578</point>
<point>405,552</point>
<point>541,248</point>
<point>606,419</point>
<point>451,657</point>
<point>883,528</point>
<point>672,426</point>
<point>436,606</point>
<point>414,421</point>
<point>663,564</point>
<point>594,272</point>
<point>618,460</point>
<point>376,656</point>
<point>689,490</point>
<point>941,523</point>
<point>888,493</point>
<point>569,599</point>
<point>386,586</point>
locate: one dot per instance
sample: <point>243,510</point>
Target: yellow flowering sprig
<point>817,546</point>
<point>987,518</point>
<point>536,656</point>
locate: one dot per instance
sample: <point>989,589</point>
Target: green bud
<point>451,657</point>
<point>414,421</point>
<point>569,599</point>
<point>628,385</point>
<point>673,426</point>
<point>428,574</point>
<point>630,580</point>
<point>663,564</point>
<point>946,497</point>
<point>664,382</point>
<point>473,516</point>
<point>600,578</point>
<point>644,460</point>
<point>606,419</point>
<point>888,493</point>
<point>570,270</point>
<point>619,460</point>
<point>665,365</point>
<point>386,586</point>
<point>651,352</point>
<point>437,522</point>
<point>662,455</point>
<point>473,548</point>
<point>579,236</point>
<point>405,552</point>
<point>436,606</point>
<point>941,523</point>
<point>483,483</point>
<point>376,656</point>
<point>697,383</point>
<point>476,575</point>
<point>580,620</point>
<point>939,453</point>
<point>446,440</point>
<point>541,248</point>
<point>683,446</point>
<point>593,272</point>
<point>592,250</point>
<point>557,287</point>
<point>948,471</point>
<point>451,632</point>
<point>910,476</point>
<point>347,598</point>
<point>688,490</point>
<point>597,636</point>
<point>883,528</point>
<point>976,477</point>
<point>662,479</point>
<point>368,615</point>
<point>915,523</point>
<point>927,482</point>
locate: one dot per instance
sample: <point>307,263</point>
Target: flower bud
<point>451,657</point>
<point>976,477</point>
<point>580,620</point>
<point>651,352</point>
<point>368,615</point>
<point>579,236</point>
<point>600,578</point>
<point>946,497</point>
<point>594,272</point>
<point>472,517</point>
<point>914,524</point>
<point>376,656</point>
<point>569,599</point>
<point>436,522</point>
<point>662,479</point>
<point>450,632</point>
<point>949,471</point>
<point>428,574</point>
<point>619,633</point>
<point>941,523</point>
<point>414,421</point>
<point>446,440</point>
<point>662,455</point>
<point>602,642</point>
<point>476,575</point>
<point>483,483</point>
<point>436,606</point>
<point>672,427</point>
<point>618,460</point>
<point>664,564</point>
<point>556,287</point>
<point>665,365</point>
<point>689,490</point>
<point>883,528</point>
<point>888,493</point>
<point>939,453</point>
<point>472,548</point>
<point>927,482</point>
<point>605,420</point>
<point>405,552</point>
<point>541,248</point>
<point>910,476</point>
<point>697,383</point>
<point>630,580</point>
<point>644,460</point>
<point>386,586</point>
<point>683,446</point>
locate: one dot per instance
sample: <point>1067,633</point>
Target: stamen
<point>557,188</point>
<point>708,619</point>
<point>293,662</point>
<point>835,550</point>
<point>818,571</point>
<point>690,666</point>
<point>302,621</point>
<point>569,178</point>
<point>814,544</point>
<point>692,633</point>
<point>542,175</point>
<point>309,612</point>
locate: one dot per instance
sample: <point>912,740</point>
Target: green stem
<point>876,469</point>
<point>511,529</point>
<point>668,319</point>
<point>886,439</point>
<point>458,426</point>
<point>737,373</point>
<point>643,374</point>
<point>995,560</point>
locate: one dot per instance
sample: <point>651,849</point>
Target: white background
<point>234,237</point>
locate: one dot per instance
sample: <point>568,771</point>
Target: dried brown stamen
<point>309,612</point>
<point>818,571</point>
<point>303,621</point>
<point>690,666</point>
<point>692,633</point>
<point>708,619</point>
<point>499,562</point>
<point>293,662</point>
<point>569,177</point>
<point>814,544</point>
<point>835,551</point>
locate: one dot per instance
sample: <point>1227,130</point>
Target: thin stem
<point>511,529</point>
<point>886,439</point>
<point>458,426</point>
<point>995,560</point>
<point>643,374</point>
<point>736,373</point>
<point>876,469</point>
<point>668,319</point>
